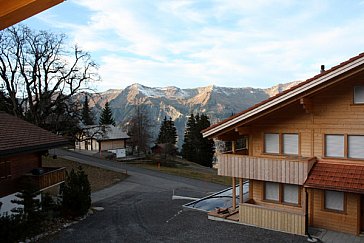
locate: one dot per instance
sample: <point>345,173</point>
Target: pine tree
<point>76,193</point>
<point>87,117</point>
<point>106,116</point>
<point>167,132</point>
<point>188,149</point>
<point>196,148</point>
<point>206,146</point>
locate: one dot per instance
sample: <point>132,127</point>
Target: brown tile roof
<point>337,176</point>
<point>19,136</point>
<point>286,91</point>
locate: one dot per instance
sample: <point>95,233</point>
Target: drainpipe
<point>309,237</point>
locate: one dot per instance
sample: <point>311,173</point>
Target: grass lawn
<point>186,169</point>
<point>98,178</point>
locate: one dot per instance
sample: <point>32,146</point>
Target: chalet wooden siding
<point>271,218</point>
<point>22,164</point>
<point>112,144</point>
<point>284,170</point>
<point>333,112</point>
<point>347,221</point>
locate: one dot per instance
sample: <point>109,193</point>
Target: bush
<point>76,194</point>
<point>11,228</point>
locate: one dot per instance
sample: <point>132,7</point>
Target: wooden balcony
<point>271,218</point>
<point>50,176</point>
<point>283,170</point>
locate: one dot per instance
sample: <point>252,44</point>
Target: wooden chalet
<point>101,138</point>
<point>22,145</point>
<point>304,154</point>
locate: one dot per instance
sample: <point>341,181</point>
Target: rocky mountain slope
<point>217,102</point>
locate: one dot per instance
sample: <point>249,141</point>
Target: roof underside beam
<point>14,11</point>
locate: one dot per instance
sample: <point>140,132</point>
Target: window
<point>334,146</point>
<point>271,143</point>
<point>356,147</point>
<point>271,191</point>
<point>334,200</point>
<point>286,143</point>
<point>5,170</point>
<point>290,193</point>
<point>281,193</point>
<point>344,146</point>
<point>290,143</point>
<point>359,95</point>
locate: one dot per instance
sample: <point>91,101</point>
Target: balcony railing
<point>283,170</point>
<point>47,177</point>
<point>271,218</point>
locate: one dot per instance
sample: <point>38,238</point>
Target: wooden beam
<point>241,190</point>
<point>234,193</point>
<point>243,130</point>
<point>307,104</point>
<point>14,11</point>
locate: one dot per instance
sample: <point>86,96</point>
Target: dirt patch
<point>99,178</point>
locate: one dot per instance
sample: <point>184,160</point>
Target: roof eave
<point>280,99</point>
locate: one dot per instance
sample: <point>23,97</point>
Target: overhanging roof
<point>280,99</point>
<point>337,176</point>
<point>14,11</point>
<point>18,136</point>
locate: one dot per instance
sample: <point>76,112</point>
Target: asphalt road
<point>141,209</point>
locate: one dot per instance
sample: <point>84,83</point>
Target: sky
<point>191,44</point>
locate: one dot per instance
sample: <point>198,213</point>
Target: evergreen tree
<point>196,148</point>
<point>76,194</point>
<point>188,149</point>
<point>106,116</point>
<point>206,146</point>
<point>29,212</point>
<point>167,132</point>
<point>87,117</point>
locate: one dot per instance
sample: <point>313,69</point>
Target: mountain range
<point>216,102</point>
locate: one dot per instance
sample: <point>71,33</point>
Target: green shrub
<point>76,194</point>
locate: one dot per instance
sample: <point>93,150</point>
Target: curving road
<point>141,209</point>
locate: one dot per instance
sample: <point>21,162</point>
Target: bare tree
<point>40,75</point>
<point>140,129</point>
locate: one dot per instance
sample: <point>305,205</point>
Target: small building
<point>100,138</point>
<point>304,157</point>
<point>22,145</point>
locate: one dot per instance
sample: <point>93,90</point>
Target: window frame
<point>333,210</point>
<point>281,194</point>
<point>281,143</point>
<point>354,88</point>
<point>346,146</point>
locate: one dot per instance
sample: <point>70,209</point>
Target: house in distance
<point>304,154</point>
<point>101,138</point>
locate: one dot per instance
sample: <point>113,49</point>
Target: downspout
<point>309,237</point>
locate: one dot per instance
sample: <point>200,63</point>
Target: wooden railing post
<point>241,188</point>
<point>234,193</point>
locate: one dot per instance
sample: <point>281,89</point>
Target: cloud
<point>227,43</point>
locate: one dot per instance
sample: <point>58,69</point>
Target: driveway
<point>141,209</point>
